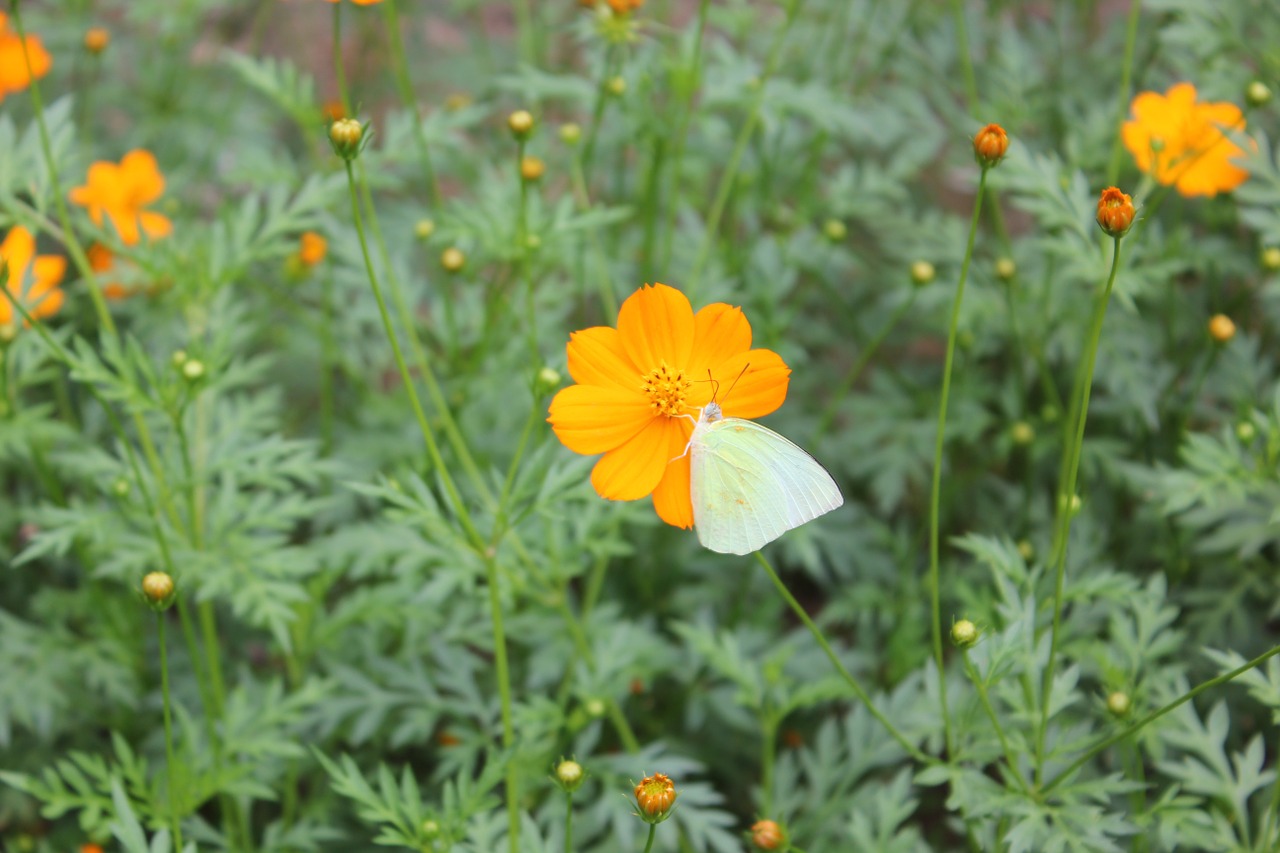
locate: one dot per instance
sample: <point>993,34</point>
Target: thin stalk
<point>1010,757</point>
<point>653,829</point>
<point>966,61</point>
<point>328,364</point>
<point>568,822</point>
<point>730,174</point>
<point>853,682</point>
<point>768,746</point>
<point>682,130</point>
<point>1139,725</point>
<point>400,70</point>
<point>504,693</point>
<point>597,111</point>
<point>855,371</point>
<point>522,256</point>
<point>1122,97</point>
<point>1067,489</point>
<point>175,820</point>
<point>935,494</point>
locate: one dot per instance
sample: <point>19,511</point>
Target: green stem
<point>864,358</point>
<point>568,822</point>
<point>528,39</point>
<point>400,69</point>
<point>966,61</point>
<point>1137,726</point>
<point>935,493</point>
<point>504,692</point>
<point>682,131</point>
<point>1122,98</point>
<point>597,111</point>
<point>175,820</point>
<point>522,257</point>
<point>1066,491</point>
<point>653,829</point>
<point>853,682</point>
<point>1010,757</point>
<point>769,727</point>
<point>730,174</point>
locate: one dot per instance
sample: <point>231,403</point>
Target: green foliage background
<point>323,569</point>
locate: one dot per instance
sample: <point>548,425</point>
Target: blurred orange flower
<point>1180,141</point>
<point>361,2</point>
<point>41,295</point>
<point>312,248</point>
<point>121,192</point>
<point>13,63</point>
<point>637,382</point>
<point>102,261</point>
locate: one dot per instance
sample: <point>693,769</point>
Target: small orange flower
<point>41,295</point>
<point>1179,141</point>
<point>640,385</point>
<point>14,76</point>
<point>990,144</point>
<point>96,39</point>
<point>312,248</point>
<point>1221,329</point>
<point>121,192</point>
<point>624,7</point>
<point>1115,212</point>
<point>102,261</point>
<point>655,795</point>
<point>90,848</point>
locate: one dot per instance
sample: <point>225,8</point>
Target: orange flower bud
<point>158,589</point>
<point>1221,329</point>
<point>347,136</point>
<point>990,145</point>
<point>655,795</point>
<point>767,835</point>
<point>1115,212</point>
<point>96,40</point>
<point>531,168</point>
<point>90,848</point>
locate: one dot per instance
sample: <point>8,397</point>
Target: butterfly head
<point>711,413</point>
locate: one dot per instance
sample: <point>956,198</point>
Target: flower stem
<point>504,693</point>
<point>1067,490</point>
<point>1009,756</point>
<point>400,69</point>
<point>1122,98</point>
<point>864,358</point>
<point>935,494</point>
<point>1138,725</point>
<point>853,682</point>
<point>174,819</point>
<point>597,111</point>
<point>966,61</point>
<point>730,174</point>
<point>653,829</point>
<point>568,822</point>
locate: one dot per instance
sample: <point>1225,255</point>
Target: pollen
<point>667,388</point>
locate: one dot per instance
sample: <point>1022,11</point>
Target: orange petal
<point>758,391</point>
<point>47,271</point>
<point>588,419</point>
<point>671,497</point>
<point>596,357</point>
<point>17,249</point>
<point>126,223</point>
<point>142,176</point>
<point>656,325</point>
<point>634,470</point>
<point>154,225</point>
<point>720,331</point>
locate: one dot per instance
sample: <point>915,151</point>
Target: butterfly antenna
<point>715,386</point>
<point>736,378</point>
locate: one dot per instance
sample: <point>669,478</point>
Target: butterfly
<point>749,485</point>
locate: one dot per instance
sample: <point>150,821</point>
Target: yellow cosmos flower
<point>1180,141</point>
<point>638,382</point>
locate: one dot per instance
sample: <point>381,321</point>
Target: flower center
<point>666,387</point>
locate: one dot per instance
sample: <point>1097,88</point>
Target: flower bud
<point>616,86</point>
<point>96,40</point>
<point>121,487</point>
<point>531,168</point>
<point>1006,269</point>
<point>521,124</point>
<point>430,829</point>
<point>1270,258</point>
<point>193,370</point>
<point>90,848</point>
<point>1022,433</point>
<point>8,332</point>
<point>922,272</point>
<point>1246,431</point>
<point>834,230</point>
<point>178,358</point>
<point>990,145</point>
<point>1221,329</point>
<point>655,795</point>
<point>767,835</point>
<point>312,248</point>
<point>452,259</point>
<point>1025,549</point>
<point>1257,94</point>
<point>1119,704</point>
<point>570,775</point>
<point>595,708</point>
<point>346,136</point>
<point>964,634</point>
<point>548,380</point>
<point>159,590</point>
<point>424,228</point>
<point>457,101</point>
<point>1115,212</point>
<point>570,133</point>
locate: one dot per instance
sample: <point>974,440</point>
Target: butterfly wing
<point>750,485</point>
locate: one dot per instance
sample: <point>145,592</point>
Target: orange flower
<point>312,248</point>
<point>14,76</point>
<point>624,7</point>
<point>41,295</point>
<point>1115,212</point>
<point>640,385</point>
<point>101,261</point>
<point>121,192</point>
<point>1179,141</point>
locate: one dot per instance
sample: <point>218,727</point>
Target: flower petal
<point>759,390</point>
<point>671,498</point>
<point>596,357</point>
<point>17,250</point>
<point>720,331</point>
<point>656,325</point>
<point>588,419</point>
<point>154,225</point>
<point>634,470</point>
<point>141,174</point>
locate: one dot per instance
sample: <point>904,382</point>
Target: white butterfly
<point>750,485</point>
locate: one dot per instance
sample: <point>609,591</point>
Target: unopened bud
<point>595,707</point>
<point>1006,269</point>
<point>922,272</point>
<point>1115,212</point>
<point>990,145</point>
<point>570,775</point>
<point>1257,94</point>
<point>521,123</point>
<point>834,230</point>
<point>570,133</point>
<point>767,835</point>
<point>159,590</point>
<point>346,136</point>
<point>964,634</point>
<point>1221,329</point>
<point>452,259</point>
<point>1119,704</point>
<point>616,86</point>
<point>531,168</point>
<point>96,40</point>
<point>193,370</point>
<point>424,228</point>
<point>1025,549</point>
<point>1246,431</point>
<point>1022,433</point>
<point>655,795</point>
<point>1270,258</point>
